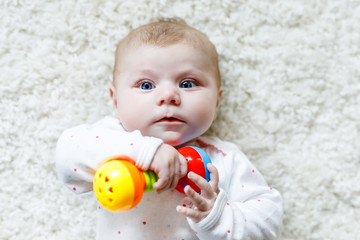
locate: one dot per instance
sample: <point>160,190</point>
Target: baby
<point>166,92</point>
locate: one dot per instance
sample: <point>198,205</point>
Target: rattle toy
<point>119,185</point>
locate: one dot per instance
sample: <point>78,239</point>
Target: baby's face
<point>166,92</point>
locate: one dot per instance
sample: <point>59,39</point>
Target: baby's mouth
<point>169,119</point>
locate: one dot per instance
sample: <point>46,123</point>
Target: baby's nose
<point>169,95</point>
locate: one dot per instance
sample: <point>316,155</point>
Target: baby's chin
<point>174,139</point>
<point>173,142</point>
<point>182,143</point>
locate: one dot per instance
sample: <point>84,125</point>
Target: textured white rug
<point>291,73</point>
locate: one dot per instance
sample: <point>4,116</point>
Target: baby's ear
<point>113,96</point>
<point>112,91</point>
<point>220,92</point>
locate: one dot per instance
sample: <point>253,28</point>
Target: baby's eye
<point>187,84</point>
<point>146,86</point>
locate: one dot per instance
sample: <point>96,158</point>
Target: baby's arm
<point>80,151</point>
<point>245,208</point>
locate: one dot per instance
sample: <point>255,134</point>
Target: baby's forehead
<point>126,50</point>
<point>142,46</point>
<point>186,55</point>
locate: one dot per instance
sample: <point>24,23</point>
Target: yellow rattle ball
<point>118,185</point>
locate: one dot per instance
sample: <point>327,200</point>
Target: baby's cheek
<point>204,120</point>
<point>205,112</point>
<point>130,118</point>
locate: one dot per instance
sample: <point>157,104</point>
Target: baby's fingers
<point>214,177</point>
<point>196,199</point>
<point>188,212</point>
<point>206,188</point>
<point>160,184</point>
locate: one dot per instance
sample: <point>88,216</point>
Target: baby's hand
<point>200,205</point>
<point>169,165</point>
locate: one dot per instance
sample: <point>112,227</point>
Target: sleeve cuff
<point>148,150</point>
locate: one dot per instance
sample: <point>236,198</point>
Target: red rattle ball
<point>197,161</point>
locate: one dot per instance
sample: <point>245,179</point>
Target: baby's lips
<point>170,119</point>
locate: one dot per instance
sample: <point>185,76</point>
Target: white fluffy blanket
<point>291,74</point>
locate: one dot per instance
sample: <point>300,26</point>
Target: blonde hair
<point>165,33</point>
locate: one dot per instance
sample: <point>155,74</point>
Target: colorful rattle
<point>119,185</point>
